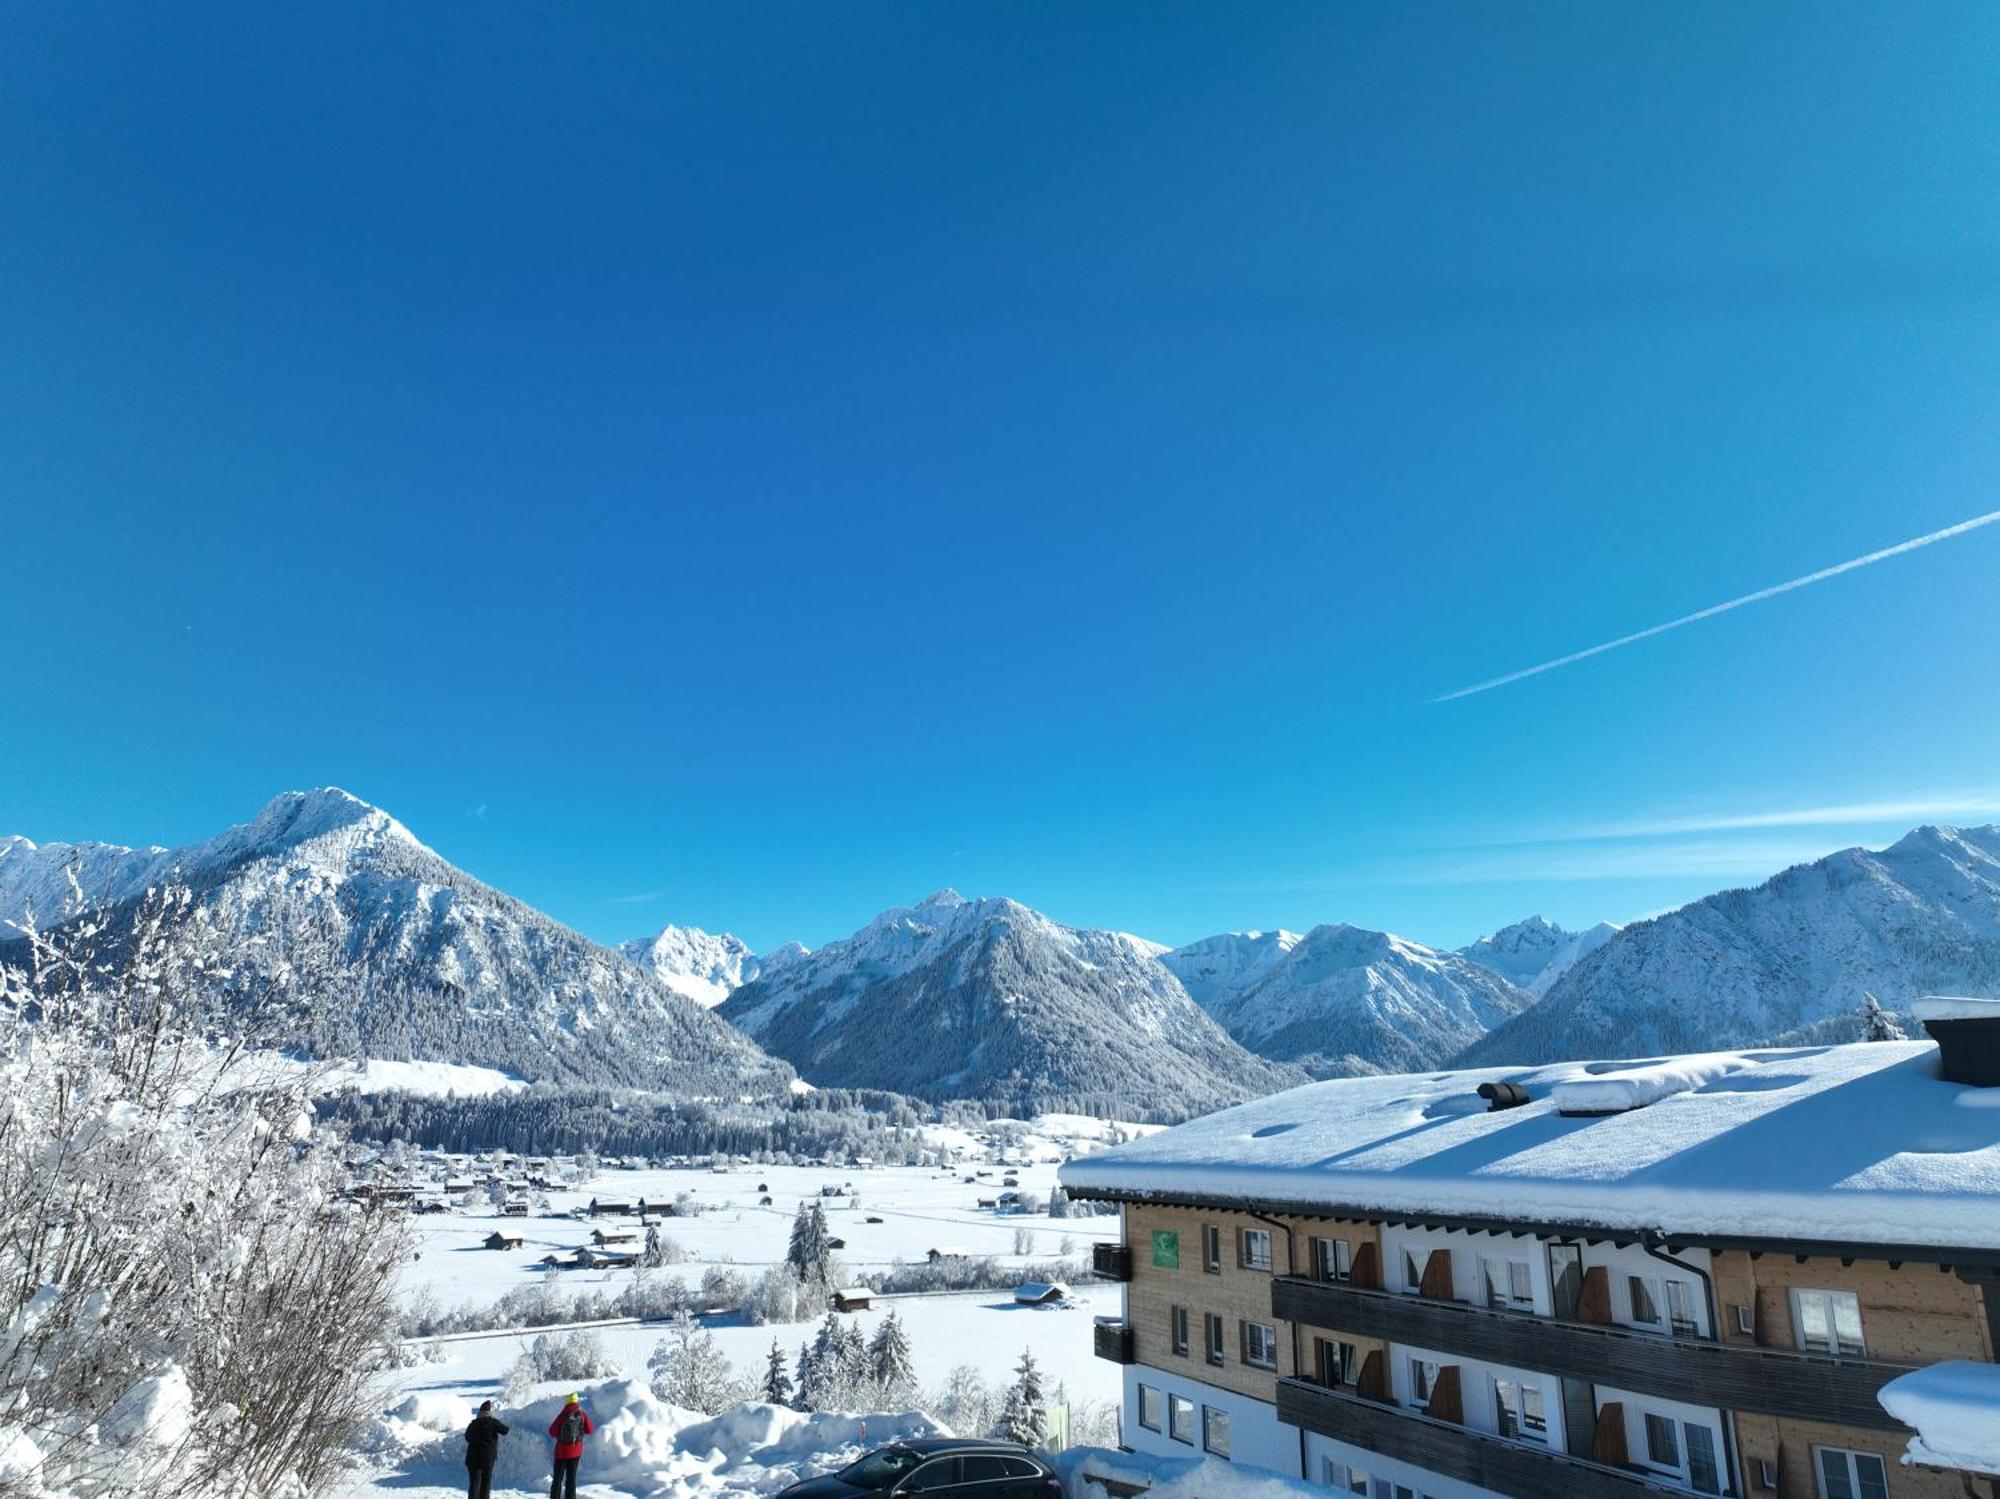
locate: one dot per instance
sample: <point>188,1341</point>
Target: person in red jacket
<point>571,1425</point>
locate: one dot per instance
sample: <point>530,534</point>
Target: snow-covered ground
<point>919,1209</point>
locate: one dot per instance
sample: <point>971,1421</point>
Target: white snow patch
<point>1955,1408</point>
<point>1634,1088</point>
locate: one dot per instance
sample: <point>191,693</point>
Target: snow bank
<point>649,1449</point>
<point>1635,1087</point>
<point>1955,1408</point>
<point>156,1412</point>
<point>423,1418</point>
<point>1083,1470</point>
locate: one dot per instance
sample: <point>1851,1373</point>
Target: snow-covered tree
<point>809,1254</point>
<point>803,1379</point>
<point>689,1370</point>
<point>963,1402</point>
<point>777,1383</point>
<point>1025,1416</point>
<point>1875,1022</point>
<point>889,1366</point>
<point>188,1304</point>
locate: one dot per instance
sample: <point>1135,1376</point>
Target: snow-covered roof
<point>1954,1007</point>
<point>1955,1408</point>
<point>1862,1144</point>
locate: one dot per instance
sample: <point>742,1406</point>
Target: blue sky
<point>750,465</point>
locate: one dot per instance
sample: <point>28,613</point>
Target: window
<point>1508,1284</point>
<point>982,1467</point>
<point>1680,1309</point>
<point>1333,1259</point>
<point>1178,1321</point>
<point>1850,1475</point>
<point>1423,1379</point>
<point>1214,1431</point>
<point>1534,1415</point>
<point>1704,1476</point>
<point>1149,1407</point>
<point>1413,1270</point>
<point>1828,1322</point>
<point>1211,1249</point>
<point>1767,1473</point>
<point>1335,1361</point>
<point>1166,1249</point>
<point>1180,1419</point>
<point>1663,1447</point>
<point>1746,1321</point>
<point>1260,1344</point>
<point>1645,1298</point>
<point>1684,1448</point>
<point>1212,1337</point>
<point>938,1473</point>
<point>1342,1478</point>
<point>1253,1249</point>
<point>1518,1410</point>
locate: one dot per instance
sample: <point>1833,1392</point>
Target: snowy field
<point>649,1449</point>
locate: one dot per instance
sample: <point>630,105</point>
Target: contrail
<point>1713,609</point>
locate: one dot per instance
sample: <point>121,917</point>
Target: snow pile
<point>1084,1471</point>
<point>423,1418</point>
<point>1955,1408</point>
<point>648,1449</point>
<point>1613,1092</point>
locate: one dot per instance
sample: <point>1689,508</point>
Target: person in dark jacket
<point>571,1425</point>
<point>482,1450</point>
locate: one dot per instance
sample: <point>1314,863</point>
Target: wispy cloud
<point>1732,859</point>
<point>640,897</point>
<point>1959,808</point>
<point>1712,610</point>
<point>1727,860</point>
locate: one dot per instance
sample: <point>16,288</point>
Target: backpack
<point>571,1430</point>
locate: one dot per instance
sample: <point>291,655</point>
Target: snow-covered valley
<point>885,1216</point>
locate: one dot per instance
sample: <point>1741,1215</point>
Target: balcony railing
<point>1111,1261</point>
<point>1113,1340</point>
<point>1444,1447</point>
<point>1727,1376</point>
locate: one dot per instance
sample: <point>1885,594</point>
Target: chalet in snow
<point>1592,1280</point>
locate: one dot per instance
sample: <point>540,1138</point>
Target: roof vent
<point>1500,1096</point>
<point>1967,1032</point>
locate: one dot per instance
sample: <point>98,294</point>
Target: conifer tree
<point>889,1361</point>
<point>1025,1418</point>
<point>1875,1022</point>
<point>777,1383</point>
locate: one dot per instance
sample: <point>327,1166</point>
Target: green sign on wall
<point>1166,1248</point>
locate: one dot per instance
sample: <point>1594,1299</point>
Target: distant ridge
<point>990,1000</point>
<point>1742,966</point>
<point>399,955</point>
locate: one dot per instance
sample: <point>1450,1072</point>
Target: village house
<point>501,1239</point>
<point>1599,1280</point>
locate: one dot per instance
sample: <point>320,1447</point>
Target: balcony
<point>1110,1262</point>
<point>1443,1447</point>
<point>1113,1341</point>
<point>1726,1376</point>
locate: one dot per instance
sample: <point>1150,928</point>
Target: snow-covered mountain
<point>397,954</point>
<point>1217,967</point>
<point>705,966</point>
<point>1533,954</point>
<point>1342,1000</point>
<point>987,999</point>
<point>1919,917</point>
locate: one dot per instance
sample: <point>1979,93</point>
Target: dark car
<point>945,1467</point>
